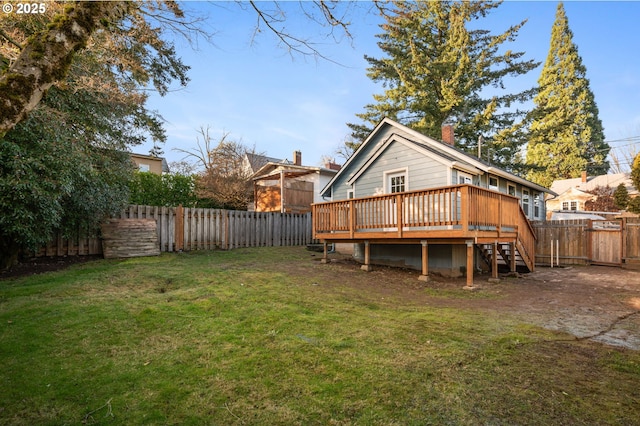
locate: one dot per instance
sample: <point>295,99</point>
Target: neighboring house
<point>282,186</point>
<point>148,163</point>
<point>574,193</point>
<point>413,201</point>
<point>253,162</point>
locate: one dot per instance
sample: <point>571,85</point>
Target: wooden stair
<point>504,255</point>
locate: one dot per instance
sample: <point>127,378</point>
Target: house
<point>253,162</point>
<point>412,201</point>
<point>149,163</point>
<point>283,186</point>
<point>574,193</point>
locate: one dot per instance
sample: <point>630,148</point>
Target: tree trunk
<point>8,254</point>
<point>46,57</point>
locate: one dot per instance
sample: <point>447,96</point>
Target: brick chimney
<point>297,158</point>
<point>447,134</point>
<point>584,177</point>
<point>332,166</point>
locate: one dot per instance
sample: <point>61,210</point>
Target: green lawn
<point>271,336</point>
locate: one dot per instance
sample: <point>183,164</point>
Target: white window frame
<point>464,177</point>
<point>143,167</point>
<point>497,185</point>
<point>395,173</point>
<point>515,190</point>
<point>526,201</point>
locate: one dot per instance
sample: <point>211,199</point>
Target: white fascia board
<point>356,153</point>
<point>400,139</point>
<point>467,168</point>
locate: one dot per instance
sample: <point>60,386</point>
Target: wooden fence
<point>583,242</point>
<point>201,229</point>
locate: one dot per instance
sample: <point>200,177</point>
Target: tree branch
<point>292,43</point>
<point>46,58</point>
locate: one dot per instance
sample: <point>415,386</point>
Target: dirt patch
<point>598,303</point>
<point>39,265</point>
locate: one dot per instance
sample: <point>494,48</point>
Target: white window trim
<point>387,174</point>
<point>493,188</point>
<point>538,204</point>
<point>526,195</point>
<point>465,175</point>
<point>515,190</point>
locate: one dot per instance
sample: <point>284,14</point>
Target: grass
<point>268,336</point>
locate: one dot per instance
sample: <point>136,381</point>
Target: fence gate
<point>605,242</point>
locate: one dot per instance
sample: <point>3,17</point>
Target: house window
<point>570,205</point>
<point>464,178</point>
<point>396,182</point>
<point>536,205</point>
<point>525,201</point>
<point>350,194</point>
<point>493,183</point>
<point>511,190</point>
<point>143,167</point>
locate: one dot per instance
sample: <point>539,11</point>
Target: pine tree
<point>634,203</point>
<point>621,197</point>
<point>436,69</point>
<point>565,133</point>
<point>635,171</point>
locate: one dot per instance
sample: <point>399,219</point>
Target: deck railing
<point>460,211</point>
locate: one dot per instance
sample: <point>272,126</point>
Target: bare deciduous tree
<point>622,157</point>
<point>225,178</point>
<point>45,58</point>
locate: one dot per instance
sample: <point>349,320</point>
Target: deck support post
<point>494,261</point>
<point>367,258</point>
<point>325,253</point>
<point>425,261</point>
<point>470,262</point>
<point>512,257</point>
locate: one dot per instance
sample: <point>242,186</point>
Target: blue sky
<point>260,94</point>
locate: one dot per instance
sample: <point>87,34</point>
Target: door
<point>395,182</point>
<point>605,242</point>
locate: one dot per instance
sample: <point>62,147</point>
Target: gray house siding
<point>339,188</point>
<point>503,187</point>
<point>422,171</point>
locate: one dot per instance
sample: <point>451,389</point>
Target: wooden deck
<point>459,214</point>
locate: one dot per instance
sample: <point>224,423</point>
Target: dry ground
<point>600,303</point>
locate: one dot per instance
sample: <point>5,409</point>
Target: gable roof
<point>272,169</point>
<point>165,165</point>
<point>256,161</point>
<point>561,186</point>
<point>451,156</point>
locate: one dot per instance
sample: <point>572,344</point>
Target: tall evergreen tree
<point>565,133</point>
<point>436,68</point>
<point>634,203</point>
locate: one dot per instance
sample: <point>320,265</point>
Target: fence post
<point>623,239</point>
<point>179,228</point>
